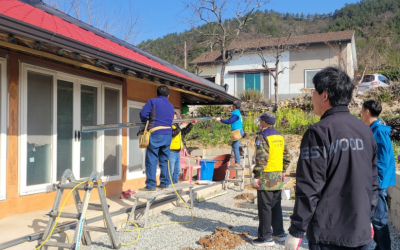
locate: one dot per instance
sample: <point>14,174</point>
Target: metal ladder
<point>81,234</point>
<point>240,182</point>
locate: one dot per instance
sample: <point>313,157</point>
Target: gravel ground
<point>220,211</point>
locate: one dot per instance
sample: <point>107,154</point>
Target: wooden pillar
<point>124,131</point>
<point>185,56</point>
<point>12,159</point>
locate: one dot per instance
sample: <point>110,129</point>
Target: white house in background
<point>245,70</point>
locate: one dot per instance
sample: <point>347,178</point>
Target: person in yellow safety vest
<point>177,144</point>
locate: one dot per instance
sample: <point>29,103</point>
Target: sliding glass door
<point>54,106</point>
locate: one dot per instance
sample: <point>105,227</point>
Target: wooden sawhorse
<point>150,197</point>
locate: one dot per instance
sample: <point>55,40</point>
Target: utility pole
<point>185,56</point>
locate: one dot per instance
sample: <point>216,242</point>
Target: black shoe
<point>280,238</point>
<point>147,189</point>
<point>159,187</point>
<point>263,243</point>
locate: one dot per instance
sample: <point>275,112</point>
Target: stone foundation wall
<point>394,202</point>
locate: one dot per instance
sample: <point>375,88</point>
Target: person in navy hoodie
<point>236,123</point>
<point>160,112</point>
<point>386,170</point>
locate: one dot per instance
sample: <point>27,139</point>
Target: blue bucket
<point>207,169</point>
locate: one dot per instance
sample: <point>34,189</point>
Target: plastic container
<point>221,166</point>
<point>286,194</point>
<point>207,169</point>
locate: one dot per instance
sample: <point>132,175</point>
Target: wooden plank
<point>91,67</point>
<point>286,205</point>
<point>152,195</point>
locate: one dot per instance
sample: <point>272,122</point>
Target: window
<point>248,81</point>
<point>3,127</point>
<point>136,155</point>
<point>53,107</point>
<point>112,138</point>
<point>210,78</point>
<point>368,78</point>
<point>309,75</point>
<point>383,79</point>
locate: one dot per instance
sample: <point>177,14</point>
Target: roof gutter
<point>321,43</point>
<point>18,27</point>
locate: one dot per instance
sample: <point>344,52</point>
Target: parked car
<point>372,81</point>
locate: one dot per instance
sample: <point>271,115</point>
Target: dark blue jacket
<point>160,112</point>
<point>386,160</point>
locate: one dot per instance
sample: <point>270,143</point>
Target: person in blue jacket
<point>386,170</point>
<point>160,113</point>
<point>236,122</point>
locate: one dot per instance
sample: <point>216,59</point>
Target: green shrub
<point>292,120</point>
<point>251,95</point>
<point>384,97</point>
<point>212,110</point>
<point>391,74</point>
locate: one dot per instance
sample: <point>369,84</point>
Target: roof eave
<point>21,28</point>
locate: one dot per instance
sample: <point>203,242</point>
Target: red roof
<point>37,17</point>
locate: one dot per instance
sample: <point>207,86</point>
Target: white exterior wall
<point>250,61</point>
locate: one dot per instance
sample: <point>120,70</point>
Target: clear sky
<point>161,17</point>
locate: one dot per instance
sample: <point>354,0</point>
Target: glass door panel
<point>111,137</point>
<point>65,129</point>
<point>135,153</point>
<point>88,140</point>
<point>39,129</point>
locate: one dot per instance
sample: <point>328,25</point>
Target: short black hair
<point>374,107</point>
<point>336,83</point>
<point>162,90</point>
<point>237,104</point>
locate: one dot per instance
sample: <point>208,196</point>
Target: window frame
<point>77,81</point>
<point>305,77</point>
<point>244,82</point>
<point>102,114</point>
<point>141,173</point>
<point>3,128</point>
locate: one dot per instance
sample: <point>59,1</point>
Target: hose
<point>62,207</point>
<point>126,230</point>
<point>159,224</point>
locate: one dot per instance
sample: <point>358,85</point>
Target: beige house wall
<point>211,71</point>
<point>317,57</point>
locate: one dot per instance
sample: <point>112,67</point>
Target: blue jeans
<point>175,165</point>
<point>235,148</point>
<point>381,228</point>
<point>157,151</point>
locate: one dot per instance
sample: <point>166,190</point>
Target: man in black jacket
<point>337,178</point>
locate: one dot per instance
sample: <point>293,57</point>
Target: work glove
<point>372,231</point>
<point>255,182</point>
<point>194,122</point>
<point>218,119</point>
<point>292,243</point>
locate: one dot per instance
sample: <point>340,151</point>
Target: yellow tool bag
<point>144,139</point>
<point>235,135</point>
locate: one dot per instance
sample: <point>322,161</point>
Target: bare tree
<point>219,30</point>
<point>371,56</point>
<point>123,21</point>
<point>272,50</point>
<point>339,52</point>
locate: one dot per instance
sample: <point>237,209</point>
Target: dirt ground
<point>245,196</point>
<point>293,142</point>
<point>223,239</point>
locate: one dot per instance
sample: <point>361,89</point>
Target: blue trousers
<point>381,228</point>
<point>157,151</point>
<point>235,148</point>
<point>175,165</point>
